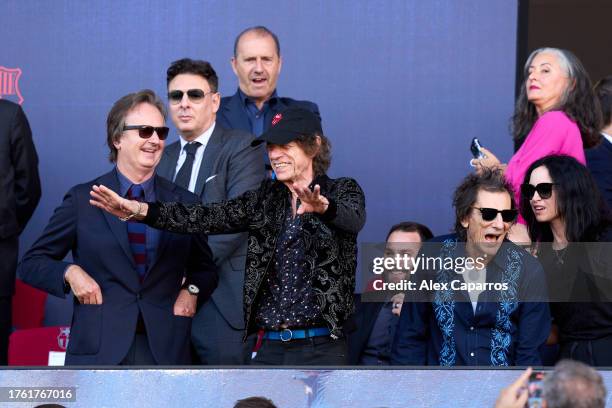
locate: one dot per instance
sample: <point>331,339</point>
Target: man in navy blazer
<point>221,166</point>
<point>374,323</point>
<point>599,158</point>
<point>135,289</point>
<point>257,64</point>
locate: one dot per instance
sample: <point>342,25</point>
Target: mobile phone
<point>534,388</point>
<point>475,147</point>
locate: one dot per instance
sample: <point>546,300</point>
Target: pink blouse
<point>553,133</point>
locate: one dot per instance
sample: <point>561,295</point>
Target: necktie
<point>184,174</point>
<point>137,236</point>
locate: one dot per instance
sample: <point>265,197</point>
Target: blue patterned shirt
<point>502,331</point>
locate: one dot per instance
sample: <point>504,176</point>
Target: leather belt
<point>293,334</point>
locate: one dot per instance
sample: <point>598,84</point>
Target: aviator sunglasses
<point>544,190</point>
<point>489,214</point>
<point>146,131</point>
<point>194,95</point>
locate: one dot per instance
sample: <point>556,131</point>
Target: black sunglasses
<point>194,95</point>
<point>544,190</point>
<point>146,131</point>
<point>489,214</point>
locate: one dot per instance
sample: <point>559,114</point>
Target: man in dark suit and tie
<point>135,288</point>
<point>373,323</point>
<point>257,64</point>
<point>599,158</point>
<point>216,164</point>
<point>20,192</point>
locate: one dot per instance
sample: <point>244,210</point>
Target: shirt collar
<point>245,99</point>
<point>607,136</point>
<point>203,138</point>
<point>125,184</point>
<point>499,260</point>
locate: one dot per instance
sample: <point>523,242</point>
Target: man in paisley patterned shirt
<point>302,245</point>
<point>502,320</point>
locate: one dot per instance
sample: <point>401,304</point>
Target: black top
<point>579,279</point>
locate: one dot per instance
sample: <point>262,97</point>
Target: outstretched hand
<point>111,202</point>
<point>311,201</point>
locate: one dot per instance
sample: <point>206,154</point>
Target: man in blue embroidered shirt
<point>490,323</point>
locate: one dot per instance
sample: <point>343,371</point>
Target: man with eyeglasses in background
<point>135,288</point>
<point>216,164</point>
<point>502,317</point>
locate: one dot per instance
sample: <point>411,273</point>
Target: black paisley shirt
<point>287,298</point>
<point>329,239</point>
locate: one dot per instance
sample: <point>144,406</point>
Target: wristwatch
<point>191,288</point>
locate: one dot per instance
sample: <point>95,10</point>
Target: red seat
<point>31,347</point>
<point>28,306</point>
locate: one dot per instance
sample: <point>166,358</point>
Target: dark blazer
<point>330,239</point>
<point>232,112</point>
<point>362,323</point>
<point>19,186</point>
<point>231,167</point>
<point>599,162</point>
<point>102,334</point>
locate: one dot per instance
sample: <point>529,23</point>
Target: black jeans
<point>316,351</point>
<point>596,353</point>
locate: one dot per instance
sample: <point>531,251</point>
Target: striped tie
<point>137,234</point>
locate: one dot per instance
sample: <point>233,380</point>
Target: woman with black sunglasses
<point>568,222</point>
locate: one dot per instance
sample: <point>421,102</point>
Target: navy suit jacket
<point>230,166</point>
<point>359,328</point>
<point>103,334</point>
<point>599,162</point>
<point>232,112</point>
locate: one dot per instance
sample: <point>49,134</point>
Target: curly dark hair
<point>466,194</point>
<point>322,153</point>
<point>578,101</point>
<point>579,203</point>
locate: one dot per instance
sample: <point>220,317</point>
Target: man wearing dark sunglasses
<point>131,306</point>
<point>501,318</point>
<point>216,164</point>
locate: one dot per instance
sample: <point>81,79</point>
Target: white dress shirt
<point>197,161</point>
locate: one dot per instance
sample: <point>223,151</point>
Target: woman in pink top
<point>556,113</point>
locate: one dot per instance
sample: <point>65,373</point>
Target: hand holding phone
<point>534,388</point>
<point>475,148</point>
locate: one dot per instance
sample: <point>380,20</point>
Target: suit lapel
<point>118,227</point>
<point>167,167</point>
<point>239,121</point>
<point>211,152</point>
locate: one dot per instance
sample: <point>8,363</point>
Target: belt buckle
<point>283,332</point>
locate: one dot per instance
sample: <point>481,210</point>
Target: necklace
<point>560,255</point>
